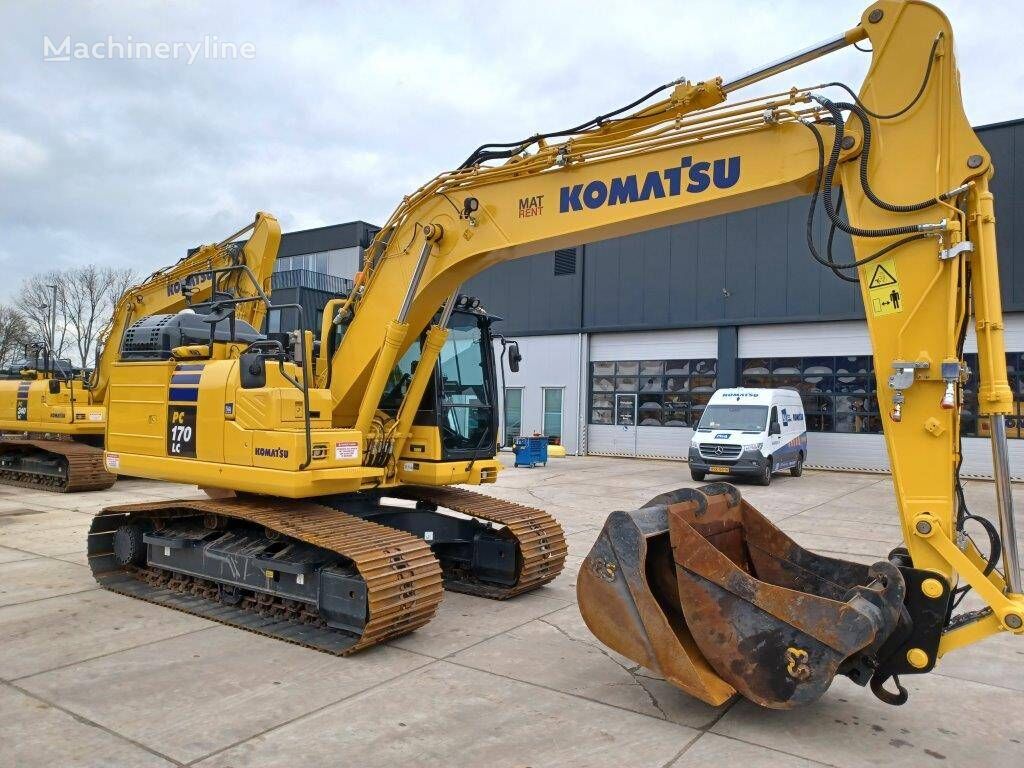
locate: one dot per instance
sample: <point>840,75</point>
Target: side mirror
<point>515,357</point>
<point>54,387</point>
<point>774,429</point>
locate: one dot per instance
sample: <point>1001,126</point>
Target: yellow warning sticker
<point>884,289</point>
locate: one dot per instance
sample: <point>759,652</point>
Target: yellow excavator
<point>330,459</point>
<point>54,421</point>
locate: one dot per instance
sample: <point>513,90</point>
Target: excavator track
<point>541,540</point>
<point>402,578</point>
<point>61,466</point>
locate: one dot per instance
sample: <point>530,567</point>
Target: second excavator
<point>328,458</point>
<point>55,420</point>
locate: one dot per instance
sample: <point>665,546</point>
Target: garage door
<point>654,345</point>
<point>842,338</point>
<point>648,387</point>
<point>865,451</point>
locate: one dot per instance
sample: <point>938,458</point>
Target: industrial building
<point>312,266</point>
<point>624,340</point>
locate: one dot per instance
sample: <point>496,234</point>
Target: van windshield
<point>746,418</point>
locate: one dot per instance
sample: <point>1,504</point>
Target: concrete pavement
<point>89,678</point>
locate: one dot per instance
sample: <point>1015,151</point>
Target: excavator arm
<point>916,184</point>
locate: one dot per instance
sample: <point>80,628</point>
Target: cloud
<point>20,155</point>
<point>346,108</point>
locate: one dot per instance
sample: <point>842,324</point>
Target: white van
<point>747,431</point>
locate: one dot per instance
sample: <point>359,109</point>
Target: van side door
<point>774,425</point>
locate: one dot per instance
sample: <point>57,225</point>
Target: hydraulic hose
<point>864,154</point>
<point>498,151</point>
<point>911,103</point>
<point>829,176</point>
<point>832,265</point>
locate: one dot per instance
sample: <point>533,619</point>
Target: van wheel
<point>798,468</point>
<point>697,475</point>
<point>765,478</point>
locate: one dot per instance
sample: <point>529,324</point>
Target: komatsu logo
<point>272,453</point>
<point>191,281</point>
<point>700,176</point>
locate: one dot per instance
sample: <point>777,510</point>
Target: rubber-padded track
<point>85,469</point>
<point>542,547</point>
<point>402,576</point>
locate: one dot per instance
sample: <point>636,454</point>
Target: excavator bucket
<point>702,588</point>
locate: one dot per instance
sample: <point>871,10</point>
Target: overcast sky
<point>344,107</point>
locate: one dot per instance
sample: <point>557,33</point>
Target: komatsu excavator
<point>63,417</point>
<point>331,523</point>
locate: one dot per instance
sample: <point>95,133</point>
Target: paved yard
<point>91,678</point>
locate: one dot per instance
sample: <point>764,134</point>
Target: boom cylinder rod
<point>446,311</point>
<point>795,59</point>
<point>414,283</point>
<point>236,235</point>
<point>1004,503</point>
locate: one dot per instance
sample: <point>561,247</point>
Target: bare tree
<point>82,292</point>
<point>86,298</point>
<point>34,302</point>
<point>120,280</point>
<point>14,335</point>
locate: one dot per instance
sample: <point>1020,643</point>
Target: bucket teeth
<point>701,587</point>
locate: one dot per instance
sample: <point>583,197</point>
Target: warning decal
<point>884,289</point>
<point>882,278</point>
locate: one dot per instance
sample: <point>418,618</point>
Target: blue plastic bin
<point>531,451</point>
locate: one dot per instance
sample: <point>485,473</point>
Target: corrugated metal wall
<point>529,294</point>
<point>347,235</point>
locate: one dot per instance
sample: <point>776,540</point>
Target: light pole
<point>52,330</point>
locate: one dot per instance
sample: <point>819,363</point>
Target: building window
<point>310,262</point>
<point>670,393</point>
<point>838,393</point>
<point>971,425</point>
<point>553,414</point>
<point>513,414</point>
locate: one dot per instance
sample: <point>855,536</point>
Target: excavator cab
<point>701,587</point>
<point>460,401</point>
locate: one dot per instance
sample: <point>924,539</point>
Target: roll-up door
<point>646,390</point>
<point>832,358</point>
